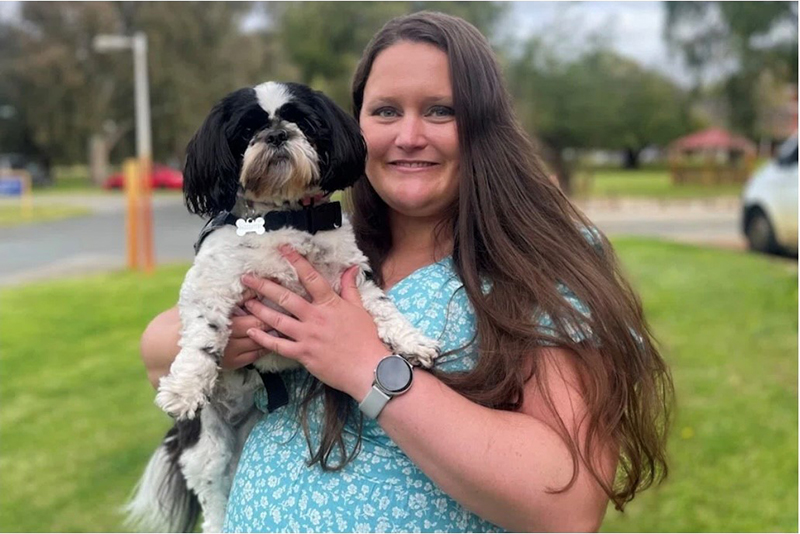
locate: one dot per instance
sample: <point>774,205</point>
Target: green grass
<point>727,323</point>
<point>612,183</point>
<point>15,215</point>
<point>78,423</point>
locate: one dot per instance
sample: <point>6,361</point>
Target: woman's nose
<point>411,134</point>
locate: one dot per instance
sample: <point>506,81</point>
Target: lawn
<point>615,183</point>
<point>15,215</point>
<point>78,423</point>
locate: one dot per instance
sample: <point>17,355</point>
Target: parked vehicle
<point>769,204</point>
<point>38,169</point>
<point>163,177</point>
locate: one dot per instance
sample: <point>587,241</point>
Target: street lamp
<point>139,210</point>
<point>111,43</point>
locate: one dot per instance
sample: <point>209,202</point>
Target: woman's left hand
<point>332,336</point>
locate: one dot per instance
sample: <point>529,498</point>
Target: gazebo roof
<point>713,138</point>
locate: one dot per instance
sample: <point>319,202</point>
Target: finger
<point>281,322</point>
<point>245,358</point>
<point>350,291</point>
<point>238,311</point>
<point>284,347</point>
<point>319,288</point>
<point>289,301</point>
<point>247,295</point>
<point>239,346</point>
<point>240,325</point>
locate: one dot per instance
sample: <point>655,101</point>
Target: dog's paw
<point>423,354</point>
<point>180,403</point>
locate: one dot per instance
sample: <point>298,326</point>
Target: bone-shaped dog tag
<point>246,226</point>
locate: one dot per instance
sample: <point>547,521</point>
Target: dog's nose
<point>277,137</point>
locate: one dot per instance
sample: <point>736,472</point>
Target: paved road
<point>96,243</point>
<point>92,243</point>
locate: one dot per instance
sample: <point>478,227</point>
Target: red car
<point>163,178</point>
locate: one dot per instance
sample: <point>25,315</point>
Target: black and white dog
<point>261,166</point>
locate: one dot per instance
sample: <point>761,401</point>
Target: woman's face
<point>409,125</point>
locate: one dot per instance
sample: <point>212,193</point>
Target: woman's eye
<point>441,111</point>
<point>385,113</point>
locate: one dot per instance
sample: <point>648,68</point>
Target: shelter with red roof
<point>711,156</point>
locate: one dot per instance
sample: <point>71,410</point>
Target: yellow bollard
<point>132,192</point>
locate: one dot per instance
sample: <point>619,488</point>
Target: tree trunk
<point>632,157</point>
<point>98,159</point>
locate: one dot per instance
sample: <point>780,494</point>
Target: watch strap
<point>374,402</point>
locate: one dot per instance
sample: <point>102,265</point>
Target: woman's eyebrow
<point>391,100</point>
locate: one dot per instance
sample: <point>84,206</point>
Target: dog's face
<point>278,142</point>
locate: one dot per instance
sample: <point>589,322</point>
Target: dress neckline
<point>415,273</point>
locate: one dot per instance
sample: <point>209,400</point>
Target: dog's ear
<point>345,151</point>
<point>211,172</point>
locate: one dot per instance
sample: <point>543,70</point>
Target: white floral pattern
<point>381,490</point>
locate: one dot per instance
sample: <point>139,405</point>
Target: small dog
<point>261,166</point>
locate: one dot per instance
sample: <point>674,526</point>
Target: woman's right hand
<point>159,343</point>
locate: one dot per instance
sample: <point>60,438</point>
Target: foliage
<point>737,42</point>
<point>78,422</point>
<point>324,40</point>
<point>62,90</point>
<point>598,99</point>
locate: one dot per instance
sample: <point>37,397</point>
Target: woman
<point>550,397</point>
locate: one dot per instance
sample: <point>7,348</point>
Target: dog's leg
<point>207,467</point>
<point>206,302</point>
<point>393,328</point>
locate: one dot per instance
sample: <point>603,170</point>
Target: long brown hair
<point>512,226</point>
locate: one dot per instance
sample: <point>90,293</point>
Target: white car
<point>769,203</point>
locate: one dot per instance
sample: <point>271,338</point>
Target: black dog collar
<point>310,219</point>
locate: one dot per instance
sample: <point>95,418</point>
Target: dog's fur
<point>272,147</point>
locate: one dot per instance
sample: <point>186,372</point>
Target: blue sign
<point>11,187</point>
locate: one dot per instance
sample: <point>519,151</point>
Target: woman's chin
<point>417,207</point>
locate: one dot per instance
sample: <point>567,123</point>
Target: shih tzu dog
<point>262,167</point>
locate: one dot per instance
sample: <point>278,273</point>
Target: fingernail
<point>285,249</point>
<point>249,304</point>
<point>251,332</point>
<point>248,279</point>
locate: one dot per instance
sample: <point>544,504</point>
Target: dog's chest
<point>330,252</point>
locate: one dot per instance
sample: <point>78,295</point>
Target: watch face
<point>393,374</point>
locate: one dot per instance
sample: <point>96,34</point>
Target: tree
<point>596,100</point>
<point>64,93</point>
<point>325,40</point>
<point>735,42</point>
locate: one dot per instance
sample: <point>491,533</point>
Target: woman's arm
<point>159,344</point>
<point>498,464</point>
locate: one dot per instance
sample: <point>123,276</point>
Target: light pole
<point>138,43</point>
<point>139,204</point>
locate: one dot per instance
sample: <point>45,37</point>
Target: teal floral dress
<point>381,490</point>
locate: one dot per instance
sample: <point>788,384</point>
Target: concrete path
<point>95,243</point>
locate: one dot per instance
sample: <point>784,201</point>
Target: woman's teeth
<point>414,164</point>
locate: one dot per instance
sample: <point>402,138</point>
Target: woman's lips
<point>412,166</point>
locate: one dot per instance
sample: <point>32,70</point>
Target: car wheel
<point>759,233</point>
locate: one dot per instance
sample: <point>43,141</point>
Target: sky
<point>634,29</point>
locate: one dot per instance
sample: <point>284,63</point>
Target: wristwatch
<point>393,376</point>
